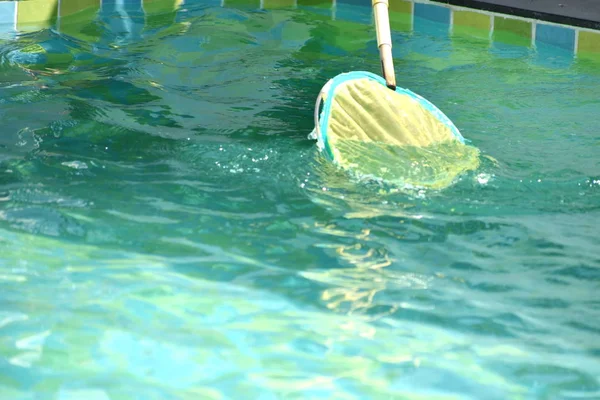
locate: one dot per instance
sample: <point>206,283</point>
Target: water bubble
<point>483,179</point>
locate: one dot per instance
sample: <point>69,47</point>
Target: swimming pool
<point>167,230</point>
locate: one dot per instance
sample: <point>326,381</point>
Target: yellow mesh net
<point>396,136</point>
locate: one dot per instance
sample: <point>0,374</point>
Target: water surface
<point>167,230</point>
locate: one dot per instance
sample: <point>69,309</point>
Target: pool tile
<point>242,3</point>
<point>588,42</point>
<point>401,6</point>
<point>400,12</point>
<point>159,6</point>
<point>471,23</point>
<point>316,3</point>
<point>34,15</point>
<point>359,3</point>
<point>76,17</point>
<point>321,7</point>
<point>67,8</point>
<point>508,50</point>
<point>7,16</point>
<point>432,12</point>
<point>552,57</point>
<point>438,48</point>
<point>512,31</point>
<point>431,20</point>
<point>554,35</point>
<point>271,4</point>
<point>346,11</point>
<point>124,2</point>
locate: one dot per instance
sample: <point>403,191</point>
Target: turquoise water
<point>167,230</point>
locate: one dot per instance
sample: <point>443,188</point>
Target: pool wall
<point>497,27</point>
<point>405,16</point>
<point>583,13</point>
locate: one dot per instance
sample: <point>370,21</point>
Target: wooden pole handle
<point>384,41</point>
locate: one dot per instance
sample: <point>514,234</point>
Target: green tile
<point>35,15</point>
<point>152,7</point>
<point>588,42</point>
<point>316,3</point>
<point>512,31</point>
<point>269,4</point>
<point>242,3</point>
<point>588,63</point>
<point>472,19</point>
<point>472,24</point>
<point>400,6</point>
<point>79,22</point>
<point>400,12</point>
<point>71,7</point>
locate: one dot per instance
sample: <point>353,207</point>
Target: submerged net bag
<point>392,135</point>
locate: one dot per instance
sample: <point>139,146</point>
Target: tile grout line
<point>16,16</point>
<point>333,9</point>
<point>412,16</point>
<point>58,16</point>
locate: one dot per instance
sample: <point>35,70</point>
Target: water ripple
<point>167,230</point>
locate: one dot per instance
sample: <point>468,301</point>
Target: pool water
<point>168,230</point>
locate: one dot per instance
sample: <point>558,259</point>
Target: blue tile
<point>422,44</point>
<point>7,15</point>
<point>552,57</point>
<point>348,12</point>
<point>430,28</point>
<point>555,35</point>
<point>127,5</point>
<point>360,3</point>
<point>432,13</point>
